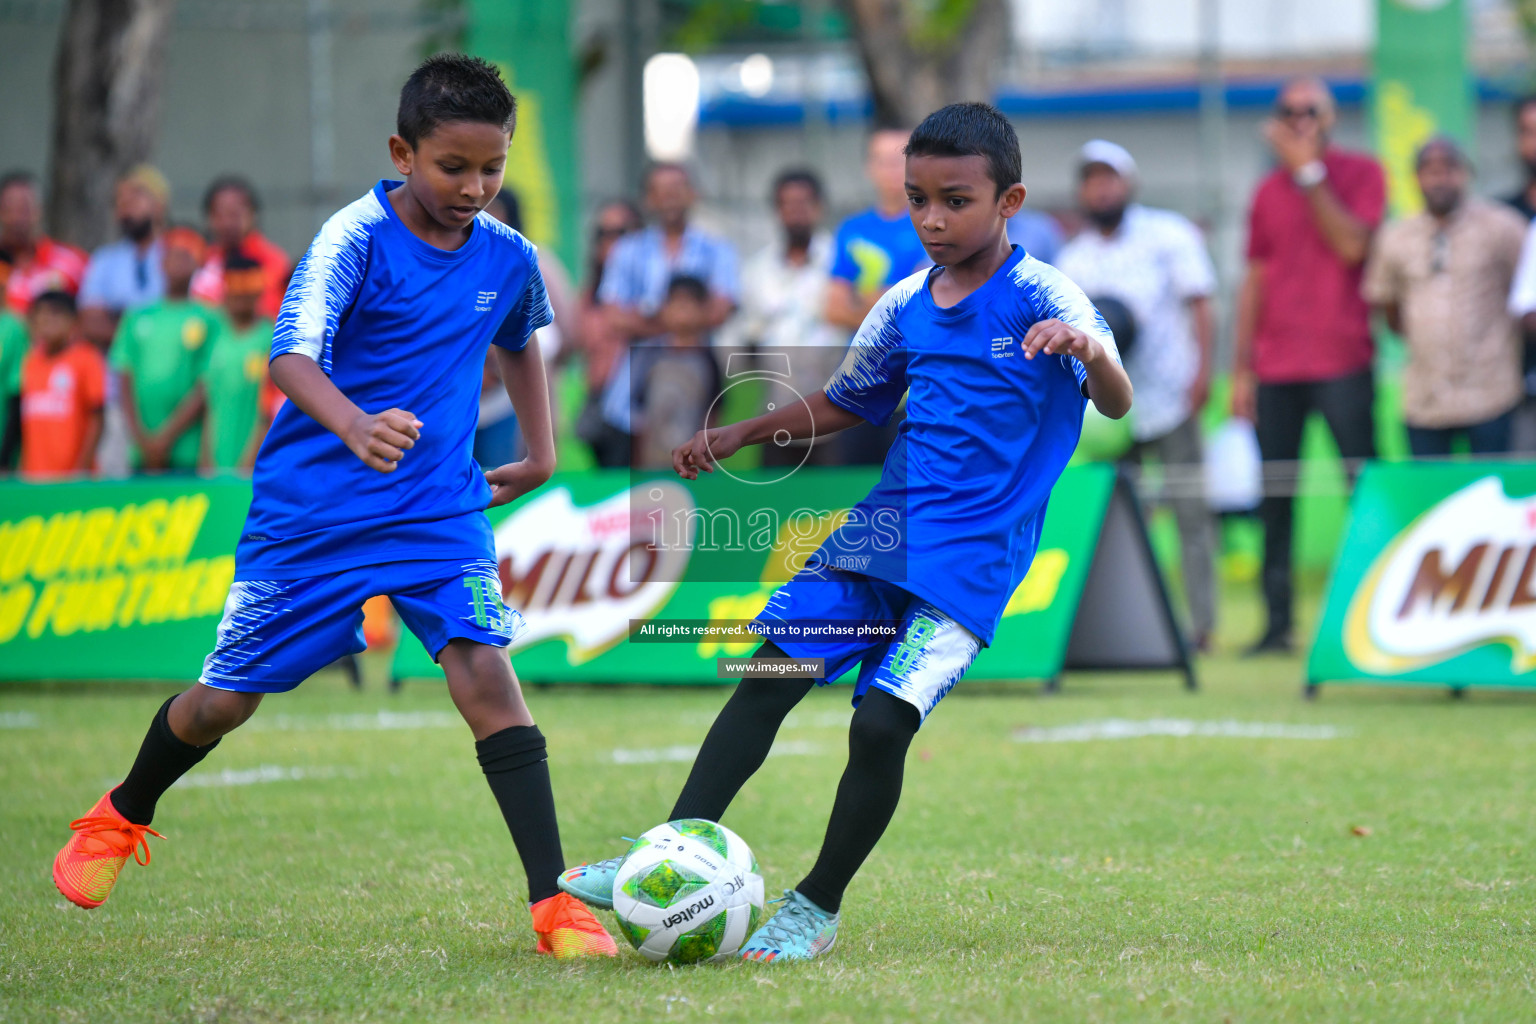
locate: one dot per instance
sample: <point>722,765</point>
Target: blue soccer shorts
<point>929,655</point>
<point>277,633</point>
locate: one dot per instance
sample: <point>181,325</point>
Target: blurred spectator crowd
<point>149,354</point>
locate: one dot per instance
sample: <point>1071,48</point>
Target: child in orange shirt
<point>63,390</point>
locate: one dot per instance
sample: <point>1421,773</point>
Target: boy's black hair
<point>686,284</point>
<point>1528,100</point>
<point>17,177</point>
<point>453,87</point>
<point>59,300</point>
<point>797,176</point>
<point>238,261</point>
<point>971,129</point>
<point>235,183</point>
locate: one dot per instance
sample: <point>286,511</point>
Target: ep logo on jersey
<point>483,301</point>
<point>1002,348</point>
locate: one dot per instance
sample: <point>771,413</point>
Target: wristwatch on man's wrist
<point>1310,173</point>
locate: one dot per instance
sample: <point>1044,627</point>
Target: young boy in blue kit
<point>996,353</point>
<point>366,484</point>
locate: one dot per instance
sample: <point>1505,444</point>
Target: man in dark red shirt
<point>231,206</point>
<point>1303,336</point>
<point>30,262</point>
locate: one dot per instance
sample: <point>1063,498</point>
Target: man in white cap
<point>1154,262</point>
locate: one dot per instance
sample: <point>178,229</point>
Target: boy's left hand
<point>516,479</point>
<point>1056,338</point>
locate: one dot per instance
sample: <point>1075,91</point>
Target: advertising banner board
<point>127,579</point>
<point>1421,86</point>
<point>1436,580</point>
<point>561,557</point>
<point>119,580</point>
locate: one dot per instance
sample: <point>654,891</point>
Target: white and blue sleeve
<point>1053,296</point>
<point>531,312</point>
<point>871,381</point>
<point>326,282</point>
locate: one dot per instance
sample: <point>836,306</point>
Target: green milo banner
<point>127,580</point>
<point>1420,87</point>
<point>571,563</point>
<point>1436,580</point>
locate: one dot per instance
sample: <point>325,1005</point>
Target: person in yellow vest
<point>159,355</point>
<point>237,369</point>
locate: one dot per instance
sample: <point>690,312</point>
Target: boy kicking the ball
<point>365,484</point>
<point>996,353</point>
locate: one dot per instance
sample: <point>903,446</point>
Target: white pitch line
<point>657,755</point>
<point>256,776</point>
<point>794,720</point>
<point>378,721</point>
<point>1129,729</point>
<point>19,720</point>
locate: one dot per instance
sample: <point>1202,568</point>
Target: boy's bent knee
<point>883,722</point>
<point>203,714</point>
<point>478,672</point>
<point>483,687</point>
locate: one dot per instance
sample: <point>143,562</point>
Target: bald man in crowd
<point>1303,334</point>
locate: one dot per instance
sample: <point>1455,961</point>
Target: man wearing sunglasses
<point>1303,337</point>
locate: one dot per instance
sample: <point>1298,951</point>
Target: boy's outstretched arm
<point>1108,385</point>
<point>816,417</point>
<point>522,374</point>
<point>380,439</point>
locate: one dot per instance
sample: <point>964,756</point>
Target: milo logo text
<point>1460,576</point>
<point>580,572</point>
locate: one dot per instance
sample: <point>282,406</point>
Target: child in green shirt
<point>159,354</point>
<point>236,370</point>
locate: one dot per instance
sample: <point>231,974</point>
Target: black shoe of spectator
<point>1271,643</point>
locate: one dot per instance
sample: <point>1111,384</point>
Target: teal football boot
<point>592,883</point>
<point>799,931</point>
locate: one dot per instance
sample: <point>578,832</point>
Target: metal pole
<point>814,95</point>
<point>322,127</point>
<point>640,32</point>
<point>1213,126</point>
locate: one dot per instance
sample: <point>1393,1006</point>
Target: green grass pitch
<point>326,869</point>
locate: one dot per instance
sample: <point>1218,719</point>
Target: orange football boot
<point>567,929</point>
<point>88,866</point>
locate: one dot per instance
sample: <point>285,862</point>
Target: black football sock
<point>878,737</point>
<point>516,765</point>
<point>739,741</point>
<point>163,758</point>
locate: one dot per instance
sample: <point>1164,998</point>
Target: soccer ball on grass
<point>688,891</point>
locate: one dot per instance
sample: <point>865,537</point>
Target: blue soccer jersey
<point>394,322</point>
<point>956,515</point>
<point>873,252</point>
